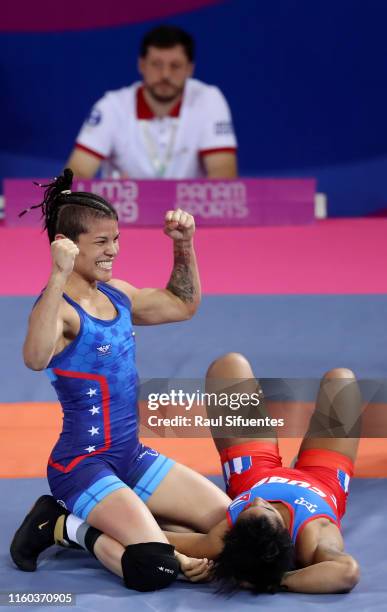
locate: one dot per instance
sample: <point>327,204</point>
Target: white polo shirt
<point>123,131</point>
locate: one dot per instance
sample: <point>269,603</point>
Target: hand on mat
<point>195,570</point>
<point>179,225</point>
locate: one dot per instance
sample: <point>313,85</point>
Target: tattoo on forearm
<point>181,282</point>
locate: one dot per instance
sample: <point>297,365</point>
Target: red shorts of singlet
<point>327,470</point>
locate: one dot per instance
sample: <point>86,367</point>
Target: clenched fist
<point>179,225</point>
<point>63,253</point>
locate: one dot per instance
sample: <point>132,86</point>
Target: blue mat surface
<point>282,336</point>
<point>96,589</point>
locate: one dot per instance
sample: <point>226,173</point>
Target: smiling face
<point>165,72</point>
<point>98,248</point>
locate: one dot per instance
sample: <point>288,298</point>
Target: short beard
<point>164,99</point>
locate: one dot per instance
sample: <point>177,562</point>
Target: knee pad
<point>149,566</point>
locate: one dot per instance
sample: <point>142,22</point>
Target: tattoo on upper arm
<point>181,282</point>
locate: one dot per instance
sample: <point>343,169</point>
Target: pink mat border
<point>341,256</point>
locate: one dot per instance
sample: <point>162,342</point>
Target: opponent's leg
<point>246,454</point>
<point>232,374</point>
<point>187,498</point>
<point>336,422</point>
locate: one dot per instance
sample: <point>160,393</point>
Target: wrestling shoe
<point>37,532</point>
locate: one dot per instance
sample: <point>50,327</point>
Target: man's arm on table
<point>332,571</point>
<point>181,298</point>
<point>221,164</point>
<point>84,164</point>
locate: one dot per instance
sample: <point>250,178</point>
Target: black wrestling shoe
<point>36,533</point>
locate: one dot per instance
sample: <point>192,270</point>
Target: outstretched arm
<point>332,572</point>
<point>181,298</point>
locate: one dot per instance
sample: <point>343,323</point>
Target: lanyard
<point>159,164</point>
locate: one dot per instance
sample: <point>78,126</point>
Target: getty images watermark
<point>187,408</point>
<point>273,407</point>
<point>188,402</point>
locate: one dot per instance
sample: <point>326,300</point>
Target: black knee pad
<point>149,566</point>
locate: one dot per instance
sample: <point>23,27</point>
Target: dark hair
<point>257,552</point>
<point>166,37</point>
<point>67,212</point>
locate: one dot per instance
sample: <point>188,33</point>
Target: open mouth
<point>105,265</point>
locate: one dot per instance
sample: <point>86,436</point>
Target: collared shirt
<point>123,132</point>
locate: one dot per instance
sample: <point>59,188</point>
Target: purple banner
<point>244,202</point>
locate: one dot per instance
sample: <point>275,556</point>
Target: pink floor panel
<point>333,256</point>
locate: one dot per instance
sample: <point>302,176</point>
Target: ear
<point>140,65</point>
<point>190,69</point>
<point>59,237</point>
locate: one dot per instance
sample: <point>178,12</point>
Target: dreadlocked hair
<point>68,213</point>
<point>255,552</point>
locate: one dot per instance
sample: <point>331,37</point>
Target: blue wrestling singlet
<point>304,501</point>
<point>96,381</point>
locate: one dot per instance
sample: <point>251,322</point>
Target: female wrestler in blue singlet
<point>81,332</point>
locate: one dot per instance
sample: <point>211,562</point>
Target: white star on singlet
<point>94,410</point>
<point>90,449</point>
<point>93,431</point>
<point>91,392</point>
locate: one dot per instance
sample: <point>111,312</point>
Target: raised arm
<point>181,297</point>
<point>332,571</point>
<point>46,326</point>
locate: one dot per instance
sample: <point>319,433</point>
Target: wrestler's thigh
<point>188,498</point>
<point>233,376</point>
<point>336,422</point>
<point>123,516</point>
<point>344,446</point>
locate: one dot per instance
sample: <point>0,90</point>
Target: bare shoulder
<point>66,312</point>
<point>68,318</point>
<point>123,286</point>
<point>318,537</point>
